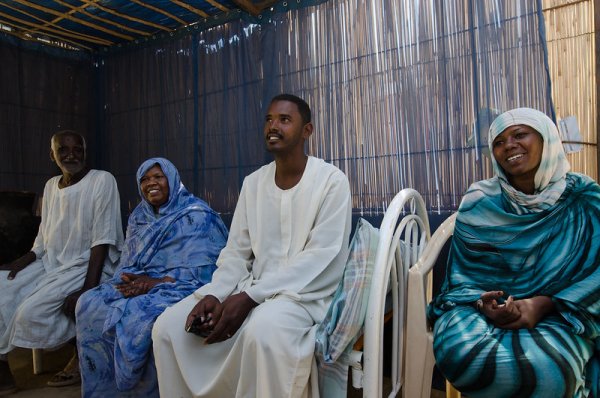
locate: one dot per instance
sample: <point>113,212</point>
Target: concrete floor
<point>34,386</point>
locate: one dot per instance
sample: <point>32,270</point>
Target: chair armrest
<point>419,340</point>
<point>434,247</point>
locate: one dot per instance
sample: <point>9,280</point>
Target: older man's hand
<point>18,265</point>
<point>70,302</point>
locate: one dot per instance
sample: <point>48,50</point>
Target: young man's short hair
<point>303,107</point>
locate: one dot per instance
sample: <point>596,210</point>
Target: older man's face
<point>68,154</point>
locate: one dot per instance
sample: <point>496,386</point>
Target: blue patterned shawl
<point>527,245</point>
<point>175,240</point>
<point>183,241</point>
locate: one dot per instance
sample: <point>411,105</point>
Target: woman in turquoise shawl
<point>518,314</point>
<point>173,241</point>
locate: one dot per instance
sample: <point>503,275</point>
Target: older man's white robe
<point>287,250</point>
<point>74,219</point>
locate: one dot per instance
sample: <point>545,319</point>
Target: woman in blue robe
<point>172,244</point>
<point>519,310</point>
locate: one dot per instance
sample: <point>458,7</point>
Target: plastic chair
<point>419,336</point>
<point>18,231</point>
<point>400,246</point>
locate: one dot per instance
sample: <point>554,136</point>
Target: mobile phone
<point>195,327</point>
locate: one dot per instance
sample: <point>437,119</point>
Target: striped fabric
<point>545,244</point>
<point>345,318</point>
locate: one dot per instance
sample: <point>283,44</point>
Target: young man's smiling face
<point>285,131</point>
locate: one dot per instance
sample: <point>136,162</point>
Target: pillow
<point>343,323</point>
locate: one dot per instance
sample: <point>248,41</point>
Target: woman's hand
<point>498,314</point>
<point>532,310</point>
<point>515,314</point>
<point>138,284</point>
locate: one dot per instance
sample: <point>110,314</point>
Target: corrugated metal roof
<point>95,24</point>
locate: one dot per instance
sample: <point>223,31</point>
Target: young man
<point>79,239</point>
<point>284,258</point>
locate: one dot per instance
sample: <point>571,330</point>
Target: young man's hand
<point>208,311</point>
<point>234,311</point>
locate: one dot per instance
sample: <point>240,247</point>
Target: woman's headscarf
<point>149,234</point>
<point>179,196</point>
<point>550,176</point>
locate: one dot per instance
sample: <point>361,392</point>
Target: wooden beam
<point>248,6</point>
<point>44,25</point>
<point>252,8</point>
<point>217,5</point>
<point>190,8</point>
<point>62,32</point>
<point>72,18</point>
<point>52,32</point>
<point>61,17</point>
<point>82,10</point>
<point>159,10</point>
<point>20,33</point>
<point>128,17</point>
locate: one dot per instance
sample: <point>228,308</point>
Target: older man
<point>79,240</point>
<point>283,260</point>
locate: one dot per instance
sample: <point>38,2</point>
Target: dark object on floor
<point>7,390</point>
<point>7,382</point>
<point>18,224</point>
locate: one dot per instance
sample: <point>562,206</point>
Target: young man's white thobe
<point>287,250</point>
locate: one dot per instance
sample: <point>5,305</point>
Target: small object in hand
<point>195,327</point>
<point>479,305</point>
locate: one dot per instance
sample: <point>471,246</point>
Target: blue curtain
<point>40,93</point>
<point>401,92</point>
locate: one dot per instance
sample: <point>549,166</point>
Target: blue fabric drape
<point>114,332</point>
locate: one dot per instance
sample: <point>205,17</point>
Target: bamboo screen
<point>401,91</point>
<point>571,56</point>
